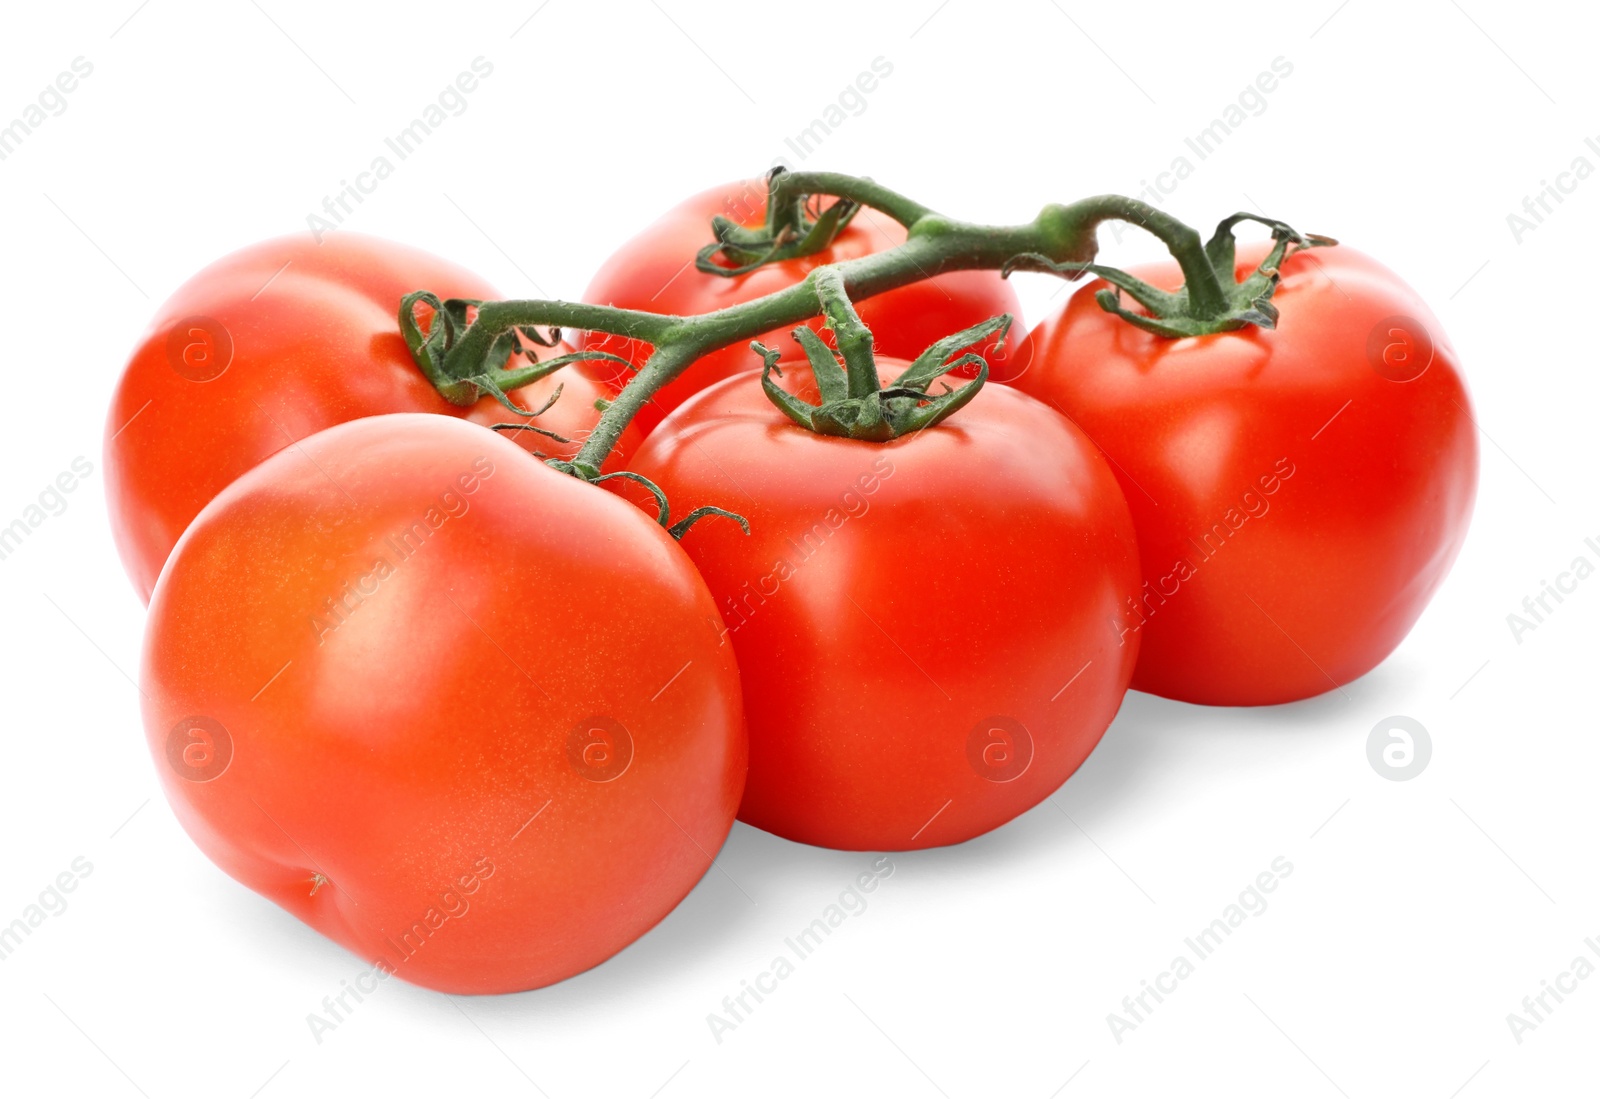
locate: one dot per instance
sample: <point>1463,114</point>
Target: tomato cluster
<point>485,722</point>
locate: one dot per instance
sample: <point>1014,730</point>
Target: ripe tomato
<point>266,346</point>
<point>1299,493</point>
<point>463,714</point>
<point>922,625</point>
<point>655,271</point>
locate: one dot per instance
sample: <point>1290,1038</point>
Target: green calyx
<point>463,371</point>
<point>1212,299</point>
<point>854,404</point>
<point>796,225</point>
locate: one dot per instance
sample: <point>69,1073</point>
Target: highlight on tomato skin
<point>1299,493</point>
<point>268,345</point>
<point>655,272</point>
<point>925,627</point>
<point>467,716</point>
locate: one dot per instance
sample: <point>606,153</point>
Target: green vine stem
<point>465,359</point>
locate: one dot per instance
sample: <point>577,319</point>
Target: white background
<point>1419,913</point>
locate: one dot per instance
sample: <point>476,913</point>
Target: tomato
<point>265,347</point>
<point>467,716</point>
<point>655,272</point>
<point>1299,493</point>
<point>922,625</point>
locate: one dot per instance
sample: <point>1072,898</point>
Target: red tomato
<point>264,347</point>
<point>465,715</point>
<point>922,626</point>
<point>655,272</point>
<point>1299,493</point>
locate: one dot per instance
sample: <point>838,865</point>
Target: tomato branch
<point>1060,240</point>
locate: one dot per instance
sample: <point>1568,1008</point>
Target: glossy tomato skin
<point>262,348</point>
<point>923,626</point>
<point>655,272</point>
<point>465,715</point>
<point>1299,493</point>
